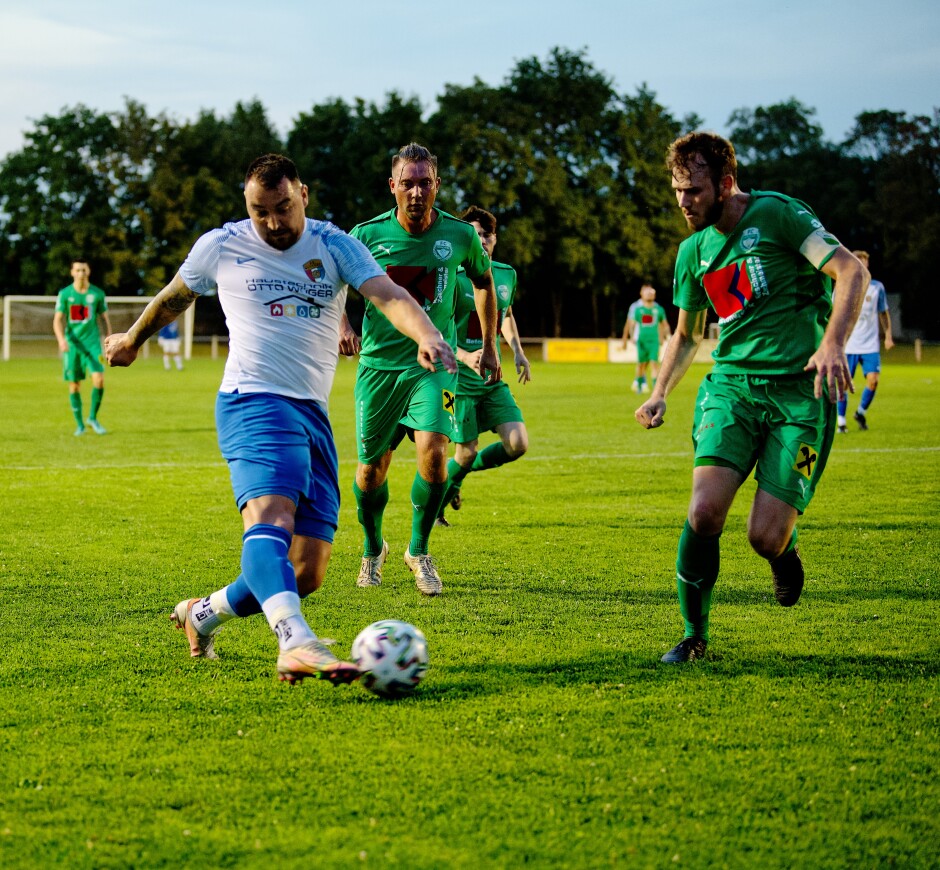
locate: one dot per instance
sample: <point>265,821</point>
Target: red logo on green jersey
<point>78,313</point>
<point>417,280</point>
<point>646,320</point>
<point>729,289</point>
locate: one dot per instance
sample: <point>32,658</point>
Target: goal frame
<point>189,318</point>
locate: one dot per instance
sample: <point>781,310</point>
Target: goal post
<point>27,321</point>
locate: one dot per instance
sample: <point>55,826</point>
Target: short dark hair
<point>717,154</point>
<point>481,216</point>
<point>414,153</point>
<point>269,169</point>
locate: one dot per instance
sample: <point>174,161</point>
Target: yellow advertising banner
<point>574,350</point>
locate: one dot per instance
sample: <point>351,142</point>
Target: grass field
<point>547,733</point>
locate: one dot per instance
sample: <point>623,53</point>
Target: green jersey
<point>81,310</point>
<point>469,328</point>
<point>647,319</point>
<point>763,281</point>
<point>426,266</point>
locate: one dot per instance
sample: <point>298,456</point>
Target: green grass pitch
<point>547,733</point>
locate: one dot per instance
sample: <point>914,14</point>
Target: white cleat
<point>370,574</point>
<point>427,579</point>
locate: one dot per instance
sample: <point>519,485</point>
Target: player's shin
<point>371,510</point>
<point>426,501</point>
<point>697,564</point>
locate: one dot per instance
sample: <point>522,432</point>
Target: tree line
<point>572,169</point>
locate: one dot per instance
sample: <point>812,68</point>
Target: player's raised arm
<point>121,347</point>
<point>409,319</point>
<point>829,362</point>
<point>679,355</point>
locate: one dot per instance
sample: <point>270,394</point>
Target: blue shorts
<point>871,362</point>
<point>280,446</point>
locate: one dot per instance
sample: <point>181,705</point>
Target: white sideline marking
<point>528,458</point>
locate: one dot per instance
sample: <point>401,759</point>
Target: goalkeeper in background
<point>78,310</point>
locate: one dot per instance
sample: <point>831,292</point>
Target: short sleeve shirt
<point>426,266</point>
<point>469,328</point>
<point>865,337</point>
<point>763,281</point>
<point>81,310</point>
<point>647,319</point>
<point>282,308</point>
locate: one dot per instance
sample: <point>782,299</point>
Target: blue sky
<point>837,56</point>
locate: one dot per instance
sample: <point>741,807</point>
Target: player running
<point>421,248</point>
<point>765,263</point>
<point>482,406</point>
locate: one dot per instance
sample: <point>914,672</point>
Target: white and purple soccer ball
<point>393,657</point>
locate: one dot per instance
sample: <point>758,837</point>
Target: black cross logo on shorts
<point>805,467</point>
<point>448,401</point>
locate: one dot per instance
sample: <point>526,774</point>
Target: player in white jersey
<point>864,346</point>
<point>282,281</point>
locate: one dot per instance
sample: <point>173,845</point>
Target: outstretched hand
<point>833,377</point>
<point>435,349</point>
<point>118,350</point>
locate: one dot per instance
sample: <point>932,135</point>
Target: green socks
<point>371,510</point>
<point>490,457</point>
<point>696,573</point>
<point>75,400</point>
<point>97,394</point>
<point>426,500</point>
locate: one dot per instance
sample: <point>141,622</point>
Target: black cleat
<point>457,501</point>
<point>440,521</point>
<point>843,430</point>
<point>788,577</point>
<point>689,649</point>
<point>862,422</point>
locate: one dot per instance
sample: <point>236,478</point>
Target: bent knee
<point>769,543</point>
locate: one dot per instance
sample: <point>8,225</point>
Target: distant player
<point>78,310</point>
<point>483,407</point>
<point>420,247</point>
<point>282,281</point>
<point>864,346</point>
<point>648,327</point>
<point>765,264</point>
<point>170,343</point>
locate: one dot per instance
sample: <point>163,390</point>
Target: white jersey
<point>864,337</point>
<point>283,308</point>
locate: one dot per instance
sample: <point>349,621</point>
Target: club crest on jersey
<point>314,269</point>
<point>443,249</point>
<point>503,291</point>
<point>749,238</point>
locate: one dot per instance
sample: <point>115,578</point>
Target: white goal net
<point>27,323</point>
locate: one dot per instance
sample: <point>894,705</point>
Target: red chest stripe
<point>417,280</point>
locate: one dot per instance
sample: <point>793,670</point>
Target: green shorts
<point>391,403</point>
<point>483,409</point>
<point>774,425</point>
<point>647,351</point>
<point>78,362</point>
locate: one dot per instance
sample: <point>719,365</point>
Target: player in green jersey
<point>481,406</point>
<point>766,265</point>
<point>647,326</point>
<point>421,248</point>
<point>78,309</point>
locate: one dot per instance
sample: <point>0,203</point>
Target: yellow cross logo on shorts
<point>805,461</point>
<point>448,401</point>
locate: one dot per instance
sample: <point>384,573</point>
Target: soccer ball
<point>393,657</point>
